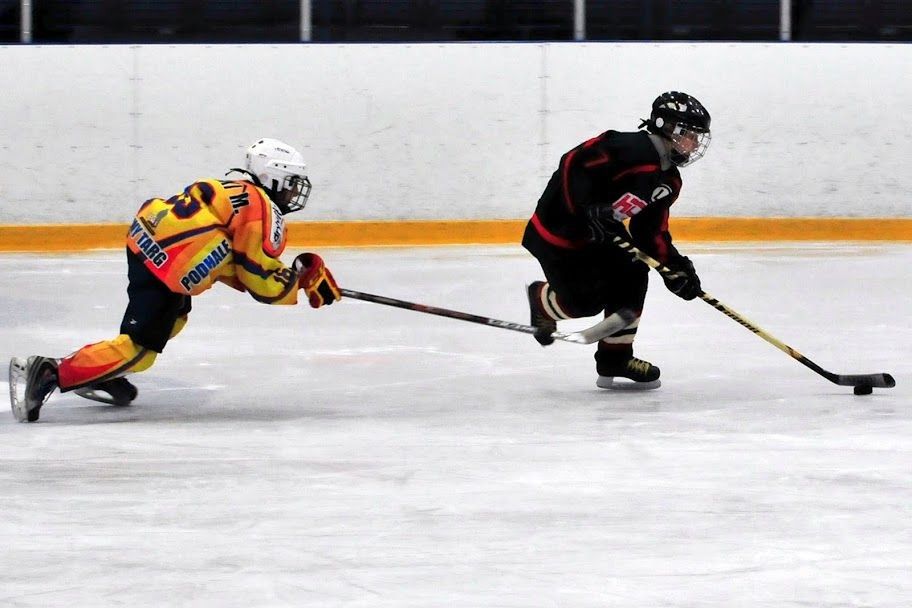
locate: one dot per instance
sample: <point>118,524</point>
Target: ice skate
<point>31,382</point>
<point>636,374</point>
<point>543,324</point>
<point>118,391</point>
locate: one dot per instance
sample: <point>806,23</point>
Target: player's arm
<point>258,242</point>
<point>266,279</point>
<point>650,233</point>
<point>233,282</point>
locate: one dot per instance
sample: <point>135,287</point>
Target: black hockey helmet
<point>681,119</point>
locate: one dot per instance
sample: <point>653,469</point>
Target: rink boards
<point>80,237</point>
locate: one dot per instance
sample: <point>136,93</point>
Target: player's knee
<point>587,306</point>
<point>144,363</point>
<point>178,326</point>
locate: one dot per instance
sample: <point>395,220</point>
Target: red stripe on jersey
<point>660,242</point>
<point>173,253</point>
<point>637,169</point>
<point>557,241</point>
<point>565,175</point>
<point>601,160</point>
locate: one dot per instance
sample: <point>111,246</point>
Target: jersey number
<point>184,206</point>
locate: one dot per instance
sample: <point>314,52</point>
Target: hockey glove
<point>682,280</point>
<point>602,224</point>
<point>316,280</point>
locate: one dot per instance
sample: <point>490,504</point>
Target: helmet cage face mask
<point>684,122</point>
<point>687,145</point>
<point>293,194</point>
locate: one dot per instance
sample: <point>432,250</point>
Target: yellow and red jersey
<point>227,231</point>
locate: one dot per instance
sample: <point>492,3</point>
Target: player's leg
<point>102,361</point>
<point>33,380</point>
<point>154,315</point>
<point>567,292</point>
<point>624,284</point>
<point>116,390</point>
<point>544,311</point>
<point>96,371</point>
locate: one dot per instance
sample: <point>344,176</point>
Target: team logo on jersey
<point>661,192</point>
<point>627,206</point>
<point>155,221</point>
<point>202,270</point>
<point>150,224</point>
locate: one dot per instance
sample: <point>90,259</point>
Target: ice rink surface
<point>360,455</point>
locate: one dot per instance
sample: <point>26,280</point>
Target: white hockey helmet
<point>282,173</point>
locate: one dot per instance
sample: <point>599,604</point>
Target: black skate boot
<point>31,382</point>
<point>117,391</point>
<point>543,324</point>
<point>644,375</point>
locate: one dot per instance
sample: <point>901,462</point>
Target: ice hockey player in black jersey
<point>611,179</point>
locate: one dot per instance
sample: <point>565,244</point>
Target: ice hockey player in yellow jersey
<point>226,231</point>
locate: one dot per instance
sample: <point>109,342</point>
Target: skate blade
<point>623,384</point>
<point>102,396</point>
<point>17,382</point>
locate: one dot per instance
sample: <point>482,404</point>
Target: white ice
<point>361,455</point>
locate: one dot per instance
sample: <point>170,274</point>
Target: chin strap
<point>254,178</point>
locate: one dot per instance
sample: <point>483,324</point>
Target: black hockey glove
<point>682,280</point>
<point>602,225</point>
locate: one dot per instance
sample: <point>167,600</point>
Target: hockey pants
<point>153,316</point>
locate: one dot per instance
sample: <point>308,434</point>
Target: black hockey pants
<point>593,279</point>
<point>153,308</point>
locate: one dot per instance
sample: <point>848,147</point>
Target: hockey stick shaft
<point>606,327</point>
<point>881,380</point>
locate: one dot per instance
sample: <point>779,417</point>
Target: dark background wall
<point>113,21</point>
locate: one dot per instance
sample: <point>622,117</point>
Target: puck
<point>863,389</point>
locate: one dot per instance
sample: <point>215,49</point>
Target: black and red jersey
<point>623,170</point>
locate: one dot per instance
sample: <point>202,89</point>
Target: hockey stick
<point>590,335</point>
<point>863,382</point>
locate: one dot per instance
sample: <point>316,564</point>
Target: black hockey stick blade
<point>602,329</point>
<point>881,380</point>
